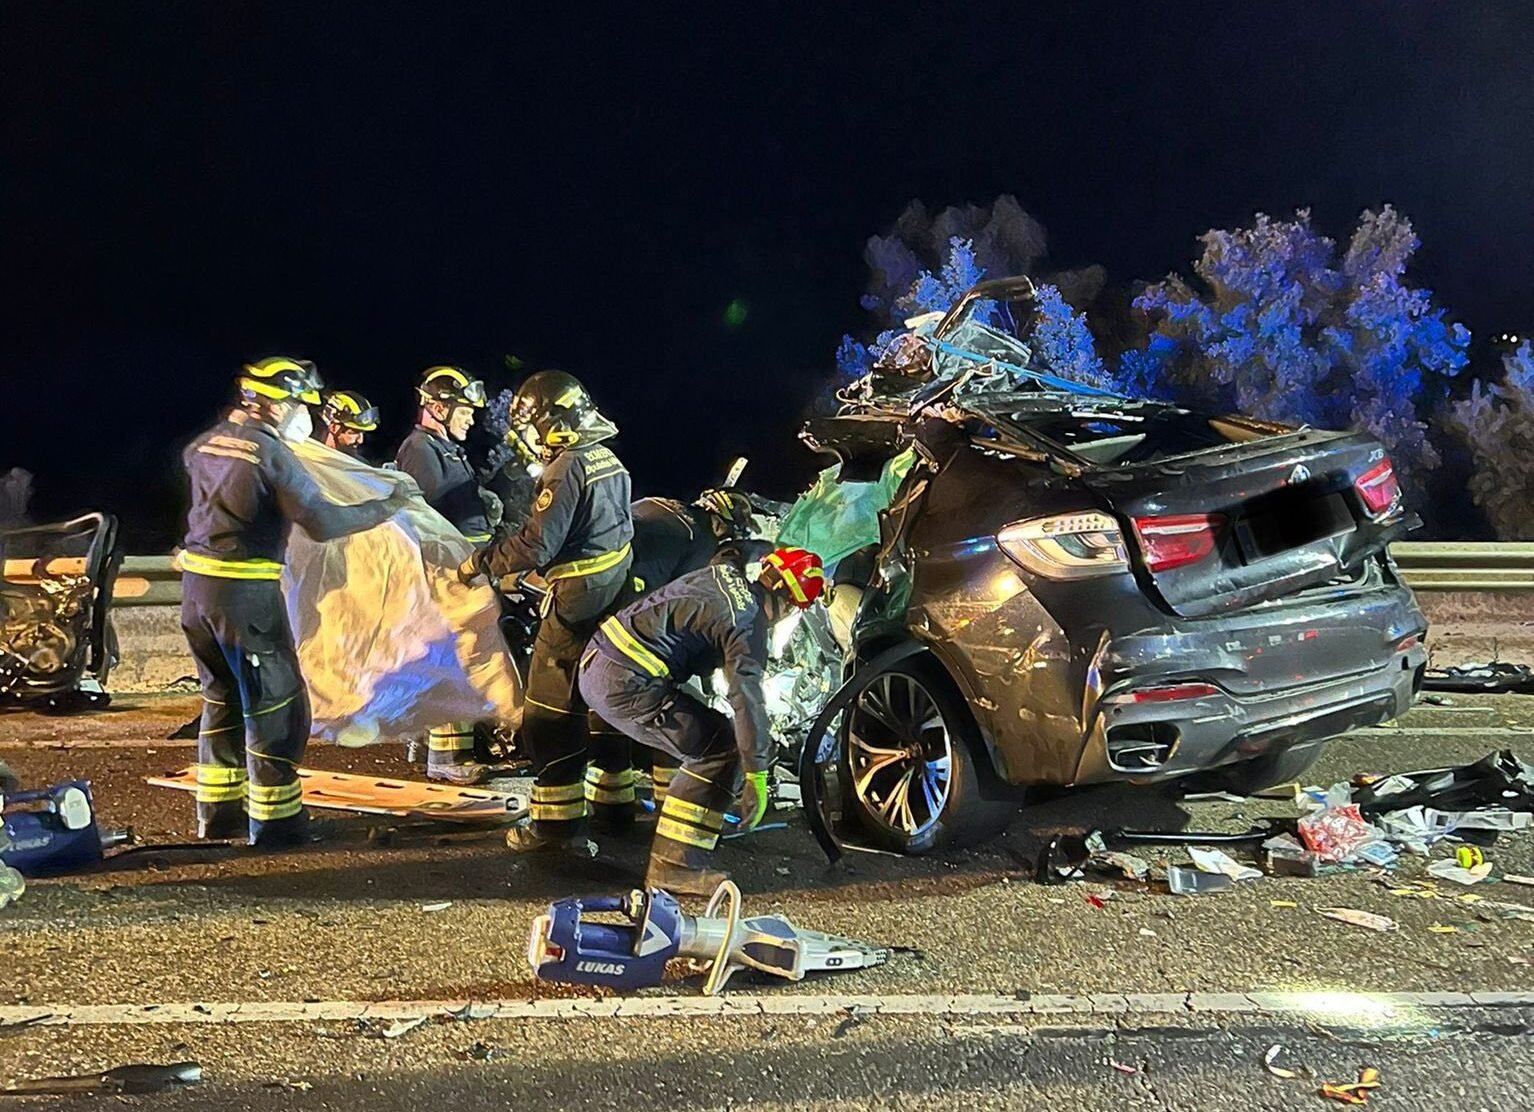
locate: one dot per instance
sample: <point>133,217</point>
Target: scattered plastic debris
<point>1513,878</point>
<point>120,1080</point>
<point>1183,881</point>
<point>440,905</point>
<point>1354,917</point>
<point>1508,910</point>
<point>1122,1068</point>
<point>1133,868</point>
<point>1096,901</point>
<point>1490,678</point>
<point>1451,870</point>
<point>1442,928</point>
<point>1214,797</point>
<point>1146,932</point>
<point>1270,1057</point>
<point>1216,861</point>
<point>1286,857</point>
<point>403,1027</point>
<point>1337,831</point>
<point>1356,1092</point>
<point>1282,903</point>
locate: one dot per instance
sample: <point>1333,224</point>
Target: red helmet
<point>801,572</point>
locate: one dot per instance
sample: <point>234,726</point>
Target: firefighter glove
<point>752,804</point>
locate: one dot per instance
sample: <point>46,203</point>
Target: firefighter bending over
<point>579,539</point>
<point>247,487</point>
<point>632,677</point>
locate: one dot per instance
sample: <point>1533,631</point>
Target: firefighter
<point>247,486</point>
<point>579,538</point>
<point>433,455</point>
<point>671,538</point>
<point>632,677</point>
<point>348,417</point>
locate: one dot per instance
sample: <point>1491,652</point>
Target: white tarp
<point>390,642</point>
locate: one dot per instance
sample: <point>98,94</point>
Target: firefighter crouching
<point>247,487</point>
<point>579,539</point>
<point>632,676</point>
<point>671,539</point>
<point>433,455</point>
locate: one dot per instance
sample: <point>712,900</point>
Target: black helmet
<point>731,507</point>
<point>555,407</point>
<point>351,410</point>
<point>451,385</point>
<point>281,378</point>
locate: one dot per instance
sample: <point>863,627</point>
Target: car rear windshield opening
<point>1110,438</point>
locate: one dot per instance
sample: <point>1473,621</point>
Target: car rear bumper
<point>1264,681</point>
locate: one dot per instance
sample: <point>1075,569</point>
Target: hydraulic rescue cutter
<point>636,935</point>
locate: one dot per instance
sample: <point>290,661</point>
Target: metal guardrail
<point>1425,565</point>
<point>1466,566</point>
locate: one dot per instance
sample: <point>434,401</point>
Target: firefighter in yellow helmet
<point>433,455</point>
<point>247,488</point>
<point>579,538</point>
<point>348,417</point>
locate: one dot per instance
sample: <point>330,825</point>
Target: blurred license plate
<point>1296,524</point>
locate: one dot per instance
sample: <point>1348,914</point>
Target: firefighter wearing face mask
<point>433,455</point>
<point>247,487</point>
<point>348,417</point>
<point>632,676</point>
<point>578,539</point>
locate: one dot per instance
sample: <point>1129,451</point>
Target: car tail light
<point>1066,546</point>
<point>1175,692</point>
<point>1378,488</point>
<point>1178,540</point>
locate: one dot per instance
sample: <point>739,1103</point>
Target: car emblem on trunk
<point>1300,474</point>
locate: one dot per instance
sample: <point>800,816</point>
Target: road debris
<point>1356,1092</point>
<point>1271,1057</point>
<point>1356,918</point>
<point>1123,1067</point>
<point>1215,861</point>
<point>440,905</point>
<point>1452,870</point>
<point>403,1027</point>
<point>479,1052</point>
<point>1337,832</point>
<point>1491,678</point>
<point>131,1079</point>
<point>1183,881</point>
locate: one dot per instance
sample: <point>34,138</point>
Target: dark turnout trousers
<point>554,720</point>
<point>655,712</point>
<point>255,716</point>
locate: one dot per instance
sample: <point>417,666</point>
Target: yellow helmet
<point>280,378</point>
<point>350,410</point>
<point>451,385</point>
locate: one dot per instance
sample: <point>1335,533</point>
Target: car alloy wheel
<point>900,755</point>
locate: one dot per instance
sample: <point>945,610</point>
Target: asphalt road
<point>347,924</point>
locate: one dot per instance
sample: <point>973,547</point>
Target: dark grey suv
<point>1082,588</point>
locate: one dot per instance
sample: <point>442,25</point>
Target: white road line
<point>1338,1007</point>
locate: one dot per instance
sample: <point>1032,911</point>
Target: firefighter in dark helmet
<point>632,676</point>
<point>578,539</point>
<point>247,488</point>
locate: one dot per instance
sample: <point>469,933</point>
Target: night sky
<point>383,186</point>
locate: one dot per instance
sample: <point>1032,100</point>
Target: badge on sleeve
<point>545,499</point>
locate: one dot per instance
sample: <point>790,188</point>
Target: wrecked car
<point>1070,587</point>
<point>56,644</point>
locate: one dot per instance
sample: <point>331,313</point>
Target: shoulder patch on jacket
<point>545,499</point>
<point>733,585</point>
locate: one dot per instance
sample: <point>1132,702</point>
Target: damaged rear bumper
<point>1209,693</point>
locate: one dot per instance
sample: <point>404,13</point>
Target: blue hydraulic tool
<point>53,830</point>
<point>568,945</point>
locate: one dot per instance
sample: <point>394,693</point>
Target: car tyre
<point>914,770</point>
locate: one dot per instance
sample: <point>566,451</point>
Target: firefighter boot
<point>450,756</point>
<point>683,871</point>
<point>525,840</point>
